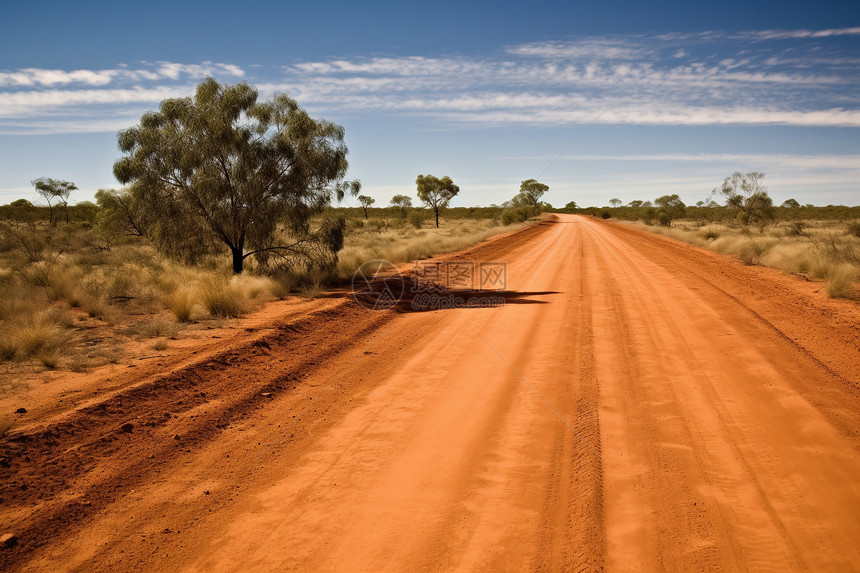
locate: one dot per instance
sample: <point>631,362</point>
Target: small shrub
<point>711,234</point>
<point>514,215</point>
<point>181,304</point>
<point>8,348</point>
<point>853,229</point>
<point>840,282</point>
<point>49,357</point>
<point>417,218</point>
<point>96,307</point>
<point>220,300</point>
<point>160,345</point>
<point>796,228</point>
<point>34,336</point>
<point>254,287</point>
<point>354,225</point>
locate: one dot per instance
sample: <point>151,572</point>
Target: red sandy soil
<point>637,404</point>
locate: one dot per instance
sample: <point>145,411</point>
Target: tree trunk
<point>437,217</point>
<point>238,259</point>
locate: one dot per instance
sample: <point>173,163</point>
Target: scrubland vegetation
<point>216,177</point>
<point>72,293</point>
<point>823,249</point>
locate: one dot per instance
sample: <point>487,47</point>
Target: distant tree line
<point>740,199</point>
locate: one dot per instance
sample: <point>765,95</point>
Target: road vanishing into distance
<point>637,404</point>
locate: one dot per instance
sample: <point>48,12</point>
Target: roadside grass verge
<point>400,242</point>
<point>73,304</point>
<point>827,250</point>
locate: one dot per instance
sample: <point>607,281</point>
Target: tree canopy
<point>530,193</point>
<point>55,189</point>
<point>670,207</point>
<point>402,202</point>
<point>747,194</point>
<point>436,193</point>
<point>222,168</point>
<point>365,203</point>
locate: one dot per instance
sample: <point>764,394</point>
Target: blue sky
<point>596,99</point>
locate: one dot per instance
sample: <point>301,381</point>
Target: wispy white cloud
<point>709,78</point>
<point>586,48</point>
<point>37,77</point>
<point>21,104</point>
<point>798,34</point>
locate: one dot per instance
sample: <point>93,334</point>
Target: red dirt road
<point>637,404</point>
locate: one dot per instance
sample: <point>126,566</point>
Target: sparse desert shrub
<point>33,336</point>
<point>16,301</point>
<point>514,215</point>
<point>220,300</point>
<point>417,217</point>
<point>378,225</point>
<point>751,251</point>
<point>796,228</point>
<point>840,282</point>
<point>180,303</point>
<point>49,357</point>
<point>8,348</point>
<point>252,287</point>
<point>853,229</point>
<point>160,345</point>
<point>711,234</point>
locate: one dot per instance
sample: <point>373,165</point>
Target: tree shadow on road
<point>423,301</point>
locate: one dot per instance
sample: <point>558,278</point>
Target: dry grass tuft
<point>37,337</point>
<point>181,304</point>
<point>840,282</point>
<point>220,300</point>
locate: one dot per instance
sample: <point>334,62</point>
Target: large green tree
<point>436,193</point>
<point>223,168</point>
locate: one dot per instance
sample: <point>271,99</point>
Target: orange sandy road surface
<point>637,404</point>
